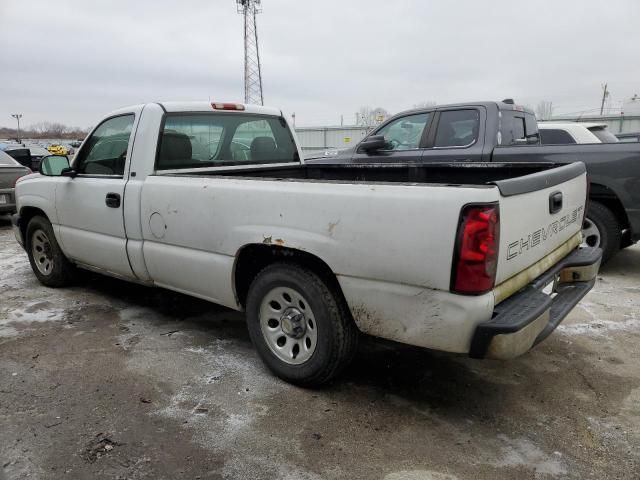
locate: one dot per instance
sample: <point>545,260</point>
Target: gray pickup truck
<point>473,135</point>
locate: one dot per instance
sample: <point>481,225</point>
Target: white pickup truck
<point>212,200</point>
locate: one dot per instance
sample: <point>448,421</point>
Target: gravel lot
<point>112,380</point>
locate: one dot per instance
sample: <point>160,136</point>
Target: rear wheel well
<point>26,214</point>
<point>253,258</point>
<point>607,197</point>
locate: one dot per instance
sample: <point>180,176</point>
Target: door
<point>89,206</point>
<point>455,136</point>
<point>404,136</point>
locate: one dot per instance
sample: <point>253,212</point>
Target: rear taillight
<point>476,254</point>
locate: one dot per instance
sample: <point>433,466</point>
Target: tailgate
<point>538,214</point>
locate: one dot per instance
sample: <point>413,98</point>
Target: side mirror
<point>55,166</point>
<point>374,142</point>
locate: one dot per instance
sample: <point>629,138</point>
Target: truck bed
<point>477,174</point>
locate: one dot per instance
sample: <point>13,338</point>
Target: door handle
<point>112,200</point>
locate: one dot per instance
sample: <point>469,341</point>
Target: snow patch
<point>602,327</point>
<point>32,312</point>
<point>419,475</point>
<point>522,452</point>
<point>223,405</point>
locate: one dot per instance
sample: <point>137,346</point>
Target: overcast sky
<point>75,60</point>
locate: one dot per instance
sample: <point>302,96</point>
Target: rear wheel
<point>601,229</point>
<point>300,325</point>
<point>48,262</point>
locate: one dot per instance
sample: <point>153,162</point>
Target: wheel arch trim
<point>251,258</point>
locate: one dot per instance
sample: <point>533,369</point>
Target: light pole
<point>17,116</point>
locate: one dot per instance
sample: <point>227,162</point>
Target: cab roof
<point>502,106</point>
<point>206,107</point>
<point>199,106</point>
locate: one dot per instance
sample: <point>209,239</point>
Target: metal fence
<point>316,140</point>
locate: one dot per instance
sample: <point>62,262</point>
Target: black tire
<point>608,227</point>
<point>61,272</point>
<point>337,334</point>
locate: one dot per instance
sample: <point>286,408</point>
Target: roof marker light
<point>227,106</point>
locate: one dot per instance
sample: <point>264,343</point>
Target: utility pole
<point>605,94</point>
<point>252,71</point>
<point>17,116</point>
<point>293,115</point>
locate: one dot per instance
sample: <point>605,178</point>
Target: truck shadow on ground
<point>378,363</point>
<point>413,380</point>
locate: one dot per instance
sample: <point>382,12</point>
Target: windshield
<point>603,134</point>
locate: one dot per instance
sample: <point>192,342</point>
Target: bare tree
<point>40,128</point>
<point>48,130</point>
<point>544,110</point>
<point>369,117</point>
<point>57,129</point>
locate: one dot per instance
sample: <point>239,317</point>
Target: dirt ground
<point>112,380</point>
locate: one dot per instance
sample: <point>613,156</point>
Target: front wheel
<point>48,262</point>
<point>300,325</point>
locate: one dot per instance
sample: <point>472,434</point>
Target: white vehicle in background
<point>557,133</point>
<point>212,200</point>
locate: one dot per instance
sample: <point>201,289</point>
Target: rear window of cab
<point>217,139</point>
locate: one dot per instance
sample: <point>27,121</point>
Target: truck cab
<point>449,133</point>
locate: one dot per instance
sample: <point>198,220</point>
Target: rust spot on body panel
<point>332,227</point>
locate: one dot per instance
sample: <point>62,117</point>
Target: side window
<point>105,152</point>
<point>457,128</point>
<point>531,125</point>
<point>404,133</point>
<point>516,127</point>
<point>555,137</point>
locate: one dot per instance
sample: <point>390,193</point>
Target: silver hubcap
<point>288,325</point>
<point>41,251</point>
<point>590,234</point>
